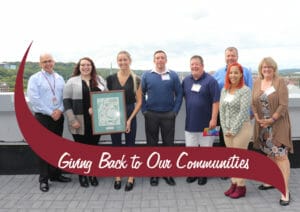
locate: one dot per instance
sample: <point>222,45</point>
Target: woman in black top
<point>126,80</point>
<point>78,108</point>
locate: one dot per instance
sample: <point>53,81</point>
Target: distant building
<point>4,87</point>
<point>294,91</point>
<point>8,66</point>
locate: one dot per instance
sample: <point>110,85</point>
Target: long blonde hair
<point>133,75</point>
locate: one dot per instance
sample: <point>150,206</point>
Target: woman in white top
<point>235,119</point>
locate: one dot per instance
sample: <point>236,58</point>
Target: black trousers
<point>46,170</point>
<point>163,122</point>
<point>86,139</point>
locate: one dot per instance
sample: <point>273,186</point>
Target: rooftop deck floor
<point>21,193</point>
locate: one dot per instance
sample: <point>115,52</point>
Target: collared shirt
<point>200,95</point>
<point>221,74</point>
<point>161,73</point>
<point>45,92</point>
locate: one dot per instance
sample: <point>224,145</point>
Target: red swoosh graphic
<point>155,161</point>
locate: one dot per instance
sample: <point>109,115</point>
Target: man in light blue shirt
<point>231,56</point>
<point>45,93</point>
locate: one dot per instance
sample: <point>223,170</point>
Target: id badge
<point>196,88</point>
<point>54,101</point>
<point>165,77</point>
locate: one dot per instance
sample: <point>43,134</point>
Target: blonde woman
<point>126,80</point>
<point>272,129</point>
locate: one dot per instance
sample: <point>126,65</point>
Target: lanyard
<point>52,88</point>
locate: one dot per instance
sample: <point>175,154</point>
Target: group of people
<point>226,99</point>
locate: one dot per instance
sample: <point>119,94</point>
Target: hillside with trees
<point>8,76</point>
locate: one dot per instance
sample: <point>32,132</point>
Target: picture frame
<point>109,112</point>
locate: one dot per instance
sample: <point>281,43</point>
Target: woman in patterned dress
<point>272,129</point>
<point>235,103</point>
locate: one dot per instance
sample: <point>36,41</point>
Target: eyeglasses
<point>85,65</point>
<point>269,67</point>
<point>47,61</point>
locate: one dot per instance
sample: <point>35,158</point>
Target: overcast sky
<point>100,29</point>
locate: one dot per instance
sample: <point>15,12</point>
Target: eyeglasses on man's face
<point>47,61</point>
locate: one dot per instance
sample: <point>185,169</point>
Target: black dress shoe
<point>202,180</point>
<point>169,180</point>
<point>191,179</point>
<point>263,187</point>
<point>129,186</point>
<point>44,187</point>
<point>224,178</point>
<point>285,202</point>
<point>61,179</point>
<point>93,181</point>
<point>117,184</point>
<point>83,180</point>
<point>154,181</point>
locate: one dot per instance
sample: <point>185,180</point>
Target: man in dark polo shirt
<point>202,95</point>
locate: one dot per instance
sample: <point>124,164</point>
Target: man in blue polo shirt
<point>202,95</point>
<point>162,98</point>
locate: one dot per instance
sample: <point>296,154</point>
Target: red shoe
<point>240,191</point>
<point>230,190</point>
